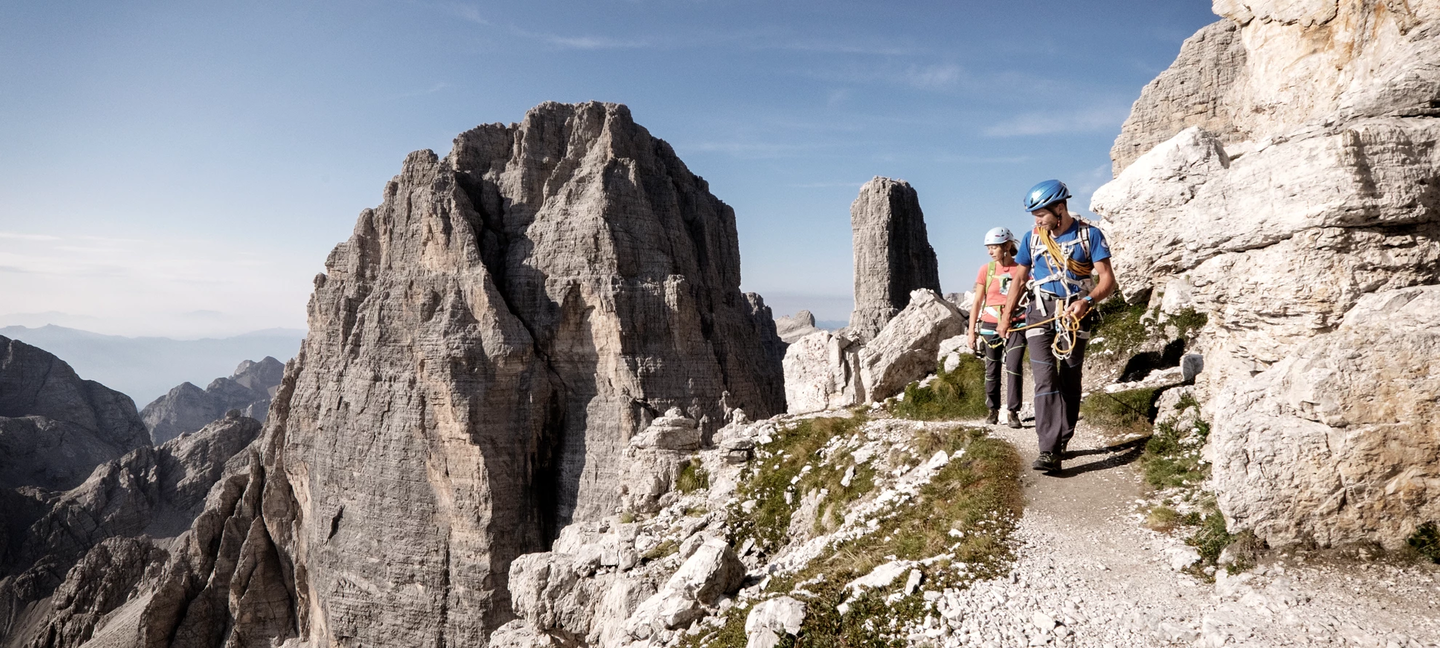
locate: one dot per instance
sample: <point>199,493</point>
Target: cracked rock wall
<point>1295,199</point>
<point>481,350</point>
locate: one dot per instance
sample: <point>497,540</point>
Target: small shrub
<point>1188,322</point>
<point>1172,456</point>
<point>1211,537</point>
<point>1121,328</point>
<point>1426,541</point>
<point>626,517</point>
<point>692,478</point>
<point>957,394</point>
<point>1162,518</point>
<point>1122,412</point>
<point>662,550</point>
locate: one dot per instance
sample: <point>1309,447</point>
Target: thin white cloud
<point>420,93</point>
<point>468,13</point>
<point>1080,120</point>
<point>28,237</point>
<point>933,77</point>
<point>583,42</point>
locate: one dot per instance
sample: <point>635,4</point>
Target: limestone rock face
<point>481,352</point>
<point>793,327</point>
<point>54,427</point>
<point>1283,201</point>
<point>1334,443</point>
<point>188,408</point>
<point>892,254</point>
<point>1195,91</point>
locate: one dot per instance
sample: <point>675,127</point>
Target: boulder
<point>771,619</point>
<point>906,349</point>
<point>793,327</point>
<point>673,431</point>
<point>521,634</point>
<point>713,570</point>
<point>893,256</point>
<point>552,593</point>
<point>821,373</point>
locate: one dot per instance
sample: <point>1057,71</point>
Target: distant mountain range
<point>145,368</point>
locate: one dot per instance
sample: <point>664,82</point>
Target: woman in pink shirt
<point>992,288</point>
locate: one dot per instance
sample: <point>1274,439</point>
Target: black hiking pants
<point>1003,361</point>
<point>1057,382</point>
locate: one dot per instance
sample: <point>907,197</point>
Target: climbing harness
<point>1060,263</point>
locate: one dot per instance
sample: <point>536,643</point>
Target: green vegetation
<point>1122,412</point>
<point>662,550</point>
<point>787,468</point>
<point>1162,518</point>
<point>1187,322</point>
<point>1426,541</point>
<point>952,395</point>
<point>692,478</point>
<point>967,510</point>
<point>1122,327</point>
<point>1172,456</point>
<point>1210,536</point>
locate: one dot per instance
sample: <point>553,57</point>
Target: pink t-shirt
<point>997,292</point>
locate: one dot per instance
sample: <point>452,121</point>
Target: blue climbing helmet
<point>1045,194</point>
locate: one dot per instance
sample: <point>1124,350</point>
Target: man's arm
<point>1018,277</point>
<point>1104,287</point>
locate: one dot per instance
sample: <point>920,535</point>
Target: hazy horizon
<point>183,170</point>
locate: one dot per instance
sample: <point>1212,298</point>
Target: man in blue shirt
<point>1070,260</point>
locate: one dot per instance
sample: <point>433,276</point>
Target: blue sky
<point>183,168</point>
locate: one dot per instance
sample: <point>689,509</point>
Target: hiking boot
<point>1048,462</point>
<point>993,418</point>
<point>1013,419</point>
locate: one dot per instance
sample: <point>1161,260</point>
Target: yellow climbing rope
<point>1067,332</point>
<point>1052,250</point>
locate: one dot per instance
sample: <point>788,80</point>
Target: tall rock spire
<point>892,254</point>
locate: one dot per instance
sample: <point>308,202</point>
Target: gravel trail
<point>1088,573</point>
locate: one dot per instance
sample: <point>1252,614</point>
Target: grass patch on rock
<point>1126,412</point>
<point>956,394</point>
<point>1172,455</point>
<point>692,478</point>
<point>955,528</point>
<point>1122,327</point>
<point>787,468</point>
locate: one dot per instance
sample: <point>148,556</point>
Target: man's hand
<point>1078,308</point>
<point>1002,328</point>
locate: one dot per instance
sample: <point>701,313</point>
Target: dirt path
<point>1088,573</point>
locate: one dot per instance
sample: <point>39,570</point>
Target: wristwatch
<point>1089,299</point>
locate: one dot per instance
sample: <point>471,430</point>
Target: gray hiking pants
<point>1003,360</point>
<point>1057,384</point>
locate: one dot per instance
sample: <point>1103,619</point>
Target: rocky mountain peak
<point>893,256</point>
<point>54,426</point>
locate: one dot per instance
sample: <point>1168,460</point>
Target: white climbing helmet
<point>998,236</point>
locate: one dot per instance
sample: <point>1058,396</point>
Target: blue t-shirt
<point>1039,264</point>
